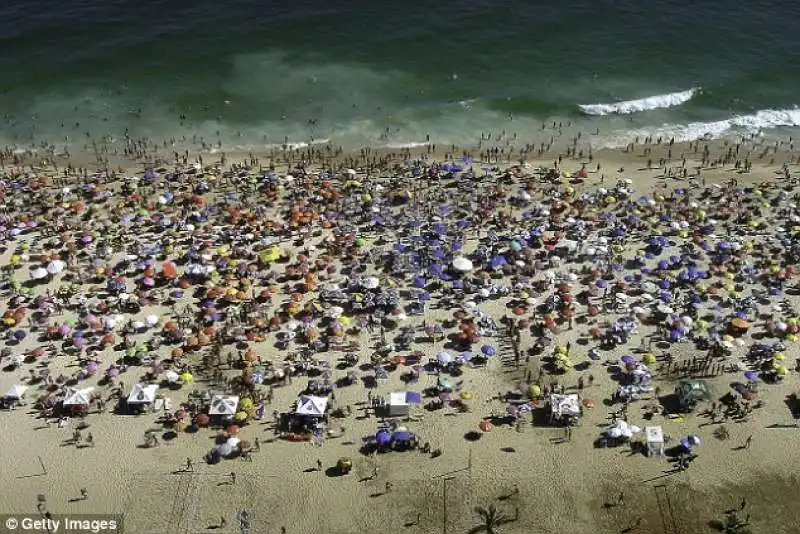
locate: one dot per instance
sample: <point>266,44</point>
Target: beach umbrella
<point>186,377</point>
<point>443,358</point>
<point>485,426</point>
<point>39,273</point>
<point>488,350</point>
<point>462,264</point>
<point>55,267</point>
<point>232,430</point>
<point>383,438</point>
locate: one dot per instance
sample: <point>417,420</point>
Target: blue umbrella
<point>627,359</point>
<point>436,268</point>
<point>402,436</point>
<point>418,282</point>
<point>488,350</point>
<point>602,284</point>
<point>424,296</point>
<point>383,438</point>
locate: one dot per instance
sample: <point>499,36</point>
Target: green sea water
<point>256,74</point>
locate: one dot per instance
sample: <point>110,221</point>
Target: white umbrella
<point>16,391</point>
<point>334,312</point>
<point>39,273</point>
<point>370,282</point>
<point>171,376</point>
<point>462,264</point>
<point>151,320</point>
<point>443,357</point>
<point>55,266</point>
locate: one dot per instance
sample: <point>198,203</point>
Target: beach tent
<point>223,405</point>
<point>16,392</point>
<point>655,440</point>
<point>312,405</point>
<point>398,405</point>
<point>78,397</point>
<point>143,394</point>
<point>690,392</point>
<point>564,406</point>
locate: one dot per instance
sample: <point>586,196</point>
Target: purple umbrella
<point>488,350</point>
<point>383,438</point>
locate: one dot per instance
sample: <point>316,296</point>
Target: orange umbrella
<point>169,270</point>
<point>232,429</point>
<point>738,322</point>
<point>485,426</point>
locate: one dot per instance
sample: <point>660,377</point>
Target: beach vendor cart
<point>655,441</point>
<point>564,409</point>
<point>691,392</point>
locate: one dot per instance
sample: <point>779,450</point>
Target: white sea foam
<point>627,107</point>
<point>754,123</point>
<point>412,144</point>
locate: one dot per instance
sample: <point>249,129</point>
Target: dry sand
<point>562,487</point>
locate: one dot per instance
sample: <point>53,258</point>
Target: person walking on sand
<point>319,465</point>
<point>233,478</point>
<point>222,521</point>
<point>621,499</point>
<point>189,465</point>
<point>748,442</point>
<point>90,439</point>
<point>84,494</point>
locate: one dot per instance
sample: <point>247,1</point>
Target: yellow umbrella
<point>240,417</point>
<point>649,359</point>
<point>245,404</point>
<point>779,356</point>
<point>534,391</point>
<point>186,377</point>
<point>466,395</point>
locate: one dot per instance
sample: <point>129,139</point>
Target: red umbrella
<point>485,426</point>
<point>202,419</point>
<point>232,429</point>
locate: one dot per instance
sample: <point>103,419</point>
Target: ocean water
<point>253,74</point>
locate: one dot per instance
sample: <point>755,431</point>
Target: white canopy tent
<point>143,394</point>
<point>78,397</point>
<point>564,406</point>
<point>311,405</point>
<point>223,405</point>
<point>398,404</point>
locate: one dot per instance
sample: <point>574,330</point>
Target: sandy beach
<point>538,477</point>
